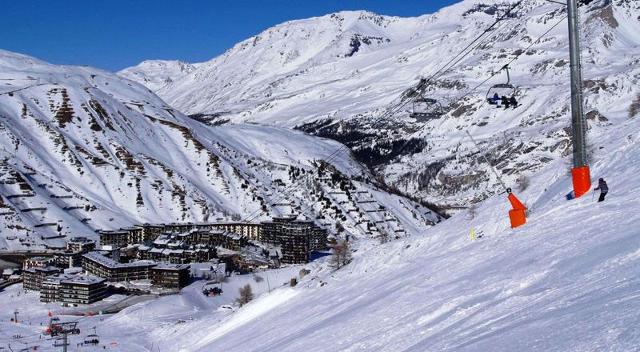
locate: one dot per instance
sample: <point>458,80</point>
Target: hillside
<point>334,75</point>
<point>83,149</point>
<point>265,134</point>
<point>157,73</point>
<point>564,282</point>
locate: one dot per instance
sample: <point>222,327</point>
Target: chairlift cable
<point>469,92</point>
<point>453,61</point>
<point>495,172</point>
<point>335,154</point>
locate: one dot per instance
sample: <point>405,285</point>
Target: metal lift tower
<point>580,172</point>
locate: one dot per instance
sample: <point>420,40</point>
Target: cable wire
<point>421,86</point>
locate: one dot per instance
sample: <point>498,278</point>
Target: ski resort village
<point>450,175</point>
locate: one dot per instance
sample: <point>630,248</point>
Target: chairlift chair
<point>425,109</point>
<point>92,339</point>
<point>501,89</point>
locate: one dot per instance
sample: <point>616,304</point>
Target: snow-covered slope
<point>155,74</point>
<point>334,75</point>
<point>286,60</point>
<point>83,149</point>
<point>565,282</point>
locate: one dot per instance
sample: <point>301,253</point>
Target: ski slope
<point>566,281</point>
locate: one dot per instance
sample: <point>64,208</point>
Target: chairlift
<point>53,329</point>
<point>425,109</point>
<point>501,90</point>
<point>91,339</point>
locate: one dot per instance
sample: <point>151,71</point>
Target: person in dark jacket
<point>505,101</point>
<point>513,102</point>
<point>602,186</point>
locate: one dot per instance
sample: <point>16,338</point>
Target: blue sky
<point>114,34</point>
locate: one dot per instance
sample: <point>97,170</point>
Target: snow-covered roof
<point>146,224</point>
<point>233,235</point>
<point>224,251</point>
<point>73,270</point>
<point>161,241</point>
<point>46,269</point>
<point>55,279</point>
<point>80,240</point>
<point>82,280</point>
<point>168,266</point>
<point>38,259</point>
<point>112,232</point>
<point>110,263</point>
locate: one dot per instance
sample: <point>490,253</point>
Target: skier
<point>513,101</point>
<point>505,102</point>
<point>494,99</point>
<point>602,186</point>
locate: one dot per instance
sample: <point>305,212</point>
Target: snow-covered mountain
<point>155,74</point>
<point>334,75</point>
<point>564,282</point>
<point>83,149</point>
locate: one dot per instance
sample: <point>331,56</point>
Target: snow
<point>565,281</point>
<point>283,146</point>
<point>169,314</point>
<point>123,156</point>
<point>251,311</point>
<point>299,72</point>
<point>156,73</point>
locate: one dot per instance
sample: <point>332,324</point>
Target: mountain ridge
<point>333,95</point>
<point>83,149</point>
